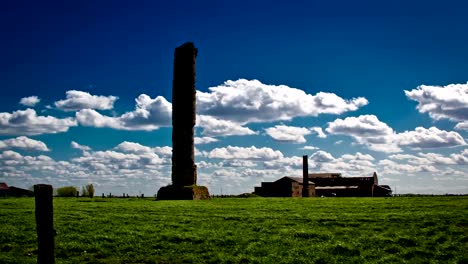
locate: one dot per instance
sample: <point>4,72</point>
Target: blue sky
<point>359,87</point>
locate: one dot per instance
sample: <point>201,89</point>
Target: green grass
<point>254,230</point>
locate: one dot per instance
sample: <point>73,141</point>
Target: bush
<point>67,191</point>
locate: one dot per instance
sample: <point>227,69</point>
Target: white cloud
<point>357,164</point>
<point>291,134</point>
<point>367,130</point>
<point>284,164</point>
<point>204,140</point>
<point>460,159</point>
<point>318,131</point>
<point>251,153</point>
<point>433,159</point>
<point>90,117</point>
<point>321,157</point>
<point>462,126</point>
<point>23,143</point>
<point>30,101</point>
<point>132,147</point>
<point>392,167</point>
<point>378,136</point>
<point>27,122</point>
<point>364,126</point>
<point>147,152</point>
<point>246,101</point>
<point>442,102</point>
<point>239,163</point>
<point>429,138</point>
<point>78,100</point>
<point>80,147</point>
<point>310,148</point>
<point>216,127</point>
<point>149,114</point>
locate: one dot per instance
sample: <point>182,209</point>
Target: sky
<point>358,86</point>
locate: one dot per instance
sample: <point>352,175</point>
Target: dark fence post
<point>305,176</point>
<point>44,224</point>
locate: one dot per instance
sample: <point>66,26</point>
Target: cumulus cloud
<point>378,136</point>
<point>30,101</point>
<point>204,140</point>
<point>252,153</point>
<point>212,126</point>
<point>442,102</point>
<point>284,164</point>
<point>78,100</point>
<point>357,164</point>
<point>318,131</point>
<point>361,126</point>
<point>149,114</point>
<point>246,101</point>
<point>321,157</point>
<point>462,126</point>
<point>367,130</point>
<point>429,138</point>
<point>125,156</point>
<point>80,147</point>
<point>132,147</point>
<point>27,122</point>
<point>23,143</point>
<point>291,134</point>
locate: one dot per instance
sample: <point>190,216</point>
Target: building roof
<point>3,186</point>
<point>325,175</point>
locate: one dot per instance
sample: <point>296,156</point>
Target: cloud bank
<point>248,101</point>
<point>27,122</point>
<point>23,143</point>
<point>442,102</point>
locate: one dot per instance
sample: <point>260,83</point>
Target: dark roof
<point>325,175</point>
<point>3,186</point>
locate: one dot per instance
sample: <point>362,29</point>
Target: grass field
<point>236,230</point>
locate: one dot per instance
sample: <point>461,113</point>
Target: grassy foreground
<point>253,230</point>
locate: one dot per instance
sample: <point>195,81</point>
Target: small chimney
<point>305,176</point>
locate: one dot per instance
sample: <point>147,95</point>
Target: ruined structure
<point>325,184</point>
<point>184,170</point>
<point>13,191</point>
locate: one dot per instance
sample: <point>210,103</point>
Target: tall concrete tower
<point>184,170</point>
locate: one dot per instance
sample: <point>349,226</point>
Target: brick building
<point>325,184</point>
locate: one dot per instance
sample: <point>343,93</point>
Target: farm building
<point>13,191</point>
<point>325,184</point>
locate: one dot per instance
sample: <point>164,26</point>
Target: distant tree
<point>84,192</point>
<point>67,191</point>
<point>90,190</point>
<point>87,191</point>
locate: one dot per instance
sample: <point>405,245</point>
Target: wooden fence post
<point>44,224</point>
<point>305,176</point>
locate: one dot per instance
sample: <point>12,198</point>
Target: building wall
<point>283,188</point>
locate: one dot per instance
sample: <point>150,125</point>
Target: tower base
<point>193,192</point>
